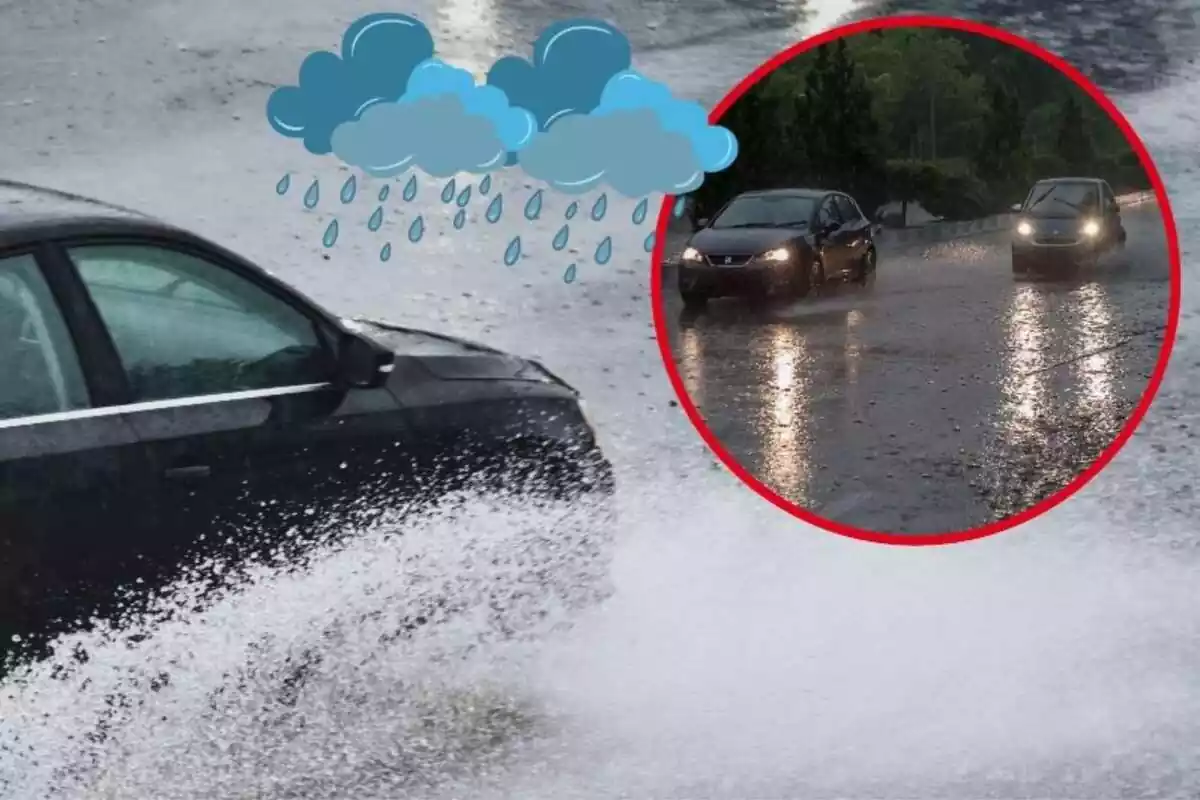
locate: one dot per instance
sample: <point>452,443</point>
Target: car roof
<point>1071,180</point>
<point>789,193</point>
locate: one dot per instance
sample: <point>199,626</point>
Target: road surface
<point>946,396</point>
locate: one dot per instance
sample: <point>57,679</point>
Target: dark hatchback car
<point>1065,224</point>
<point>781,241</point>
<point>163,400</point>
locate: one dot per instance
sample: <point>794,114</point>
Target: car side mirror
<point>1015,207</point>
<point>363,364</point>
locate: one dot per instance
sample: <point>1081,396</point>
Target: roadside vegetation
<point>959,123</point>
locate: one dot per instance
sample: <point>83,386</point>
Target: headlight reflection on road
<point>689,360</point>
<point>1095,372</point>
<point>785,458</point>
<point>1022,384</point>
<point>853,352</point>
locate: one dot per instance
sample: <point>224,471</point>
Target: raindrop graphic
<point>485,185</point>
<point>569,274</point>
<point>560,238</point>
<point>384,192</point>
<point>680,205</point>
<point>648,245</point>
<point>513,252</point>
<point>533,208</point>
<point>495,208</point>
<point>410,188</point>
<point>604,251</point>
<point>639,212</point>
<point>600,208</point>
<point>376,220</point>
<point>464,197</point>
<point>448,191</point>
<point>284,184</point>
<point>460,219</point>
<point>386,252</point>
<point>572,210</point>
<point>349,189</point>
<point>313,195</point>
<point>331,234</point>
<point>416,230</point>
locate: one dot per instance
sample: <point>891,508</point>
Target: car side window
<point>848,209</point>
<point>184,326</point>
<point>41,369</point>
<point>827,215</point>
<point>1107,196</point>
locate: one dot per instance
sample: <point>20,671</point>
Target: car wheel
<point>694,300</point>
<point>867,279</point>
<point>1019,267</point>
<point>816,274</point>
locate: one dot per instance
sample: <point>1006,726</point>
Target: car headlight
<point>777,255</point>
<point>1090,228</point>
<point>691,254</point>
<point>1024,228</point>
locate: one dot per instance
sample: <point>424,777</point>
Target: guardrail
<point>922,234</point>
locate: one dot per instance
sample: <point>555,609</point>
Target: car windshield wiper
<point>745,225</point>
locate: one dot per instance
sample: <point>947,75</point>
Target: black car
<point>164,400</point>
<point>781,241</point>
<point>1065,224</point>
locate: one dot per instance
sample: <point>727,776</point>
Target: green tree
<point>1073,145</point>
<point>1000,158</point>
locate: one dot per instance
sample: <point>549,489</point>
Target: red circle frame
<point>1127,431</point>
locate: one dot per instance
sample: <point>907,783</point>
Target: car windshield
<point>766,211</point>
<point>1057,199</point>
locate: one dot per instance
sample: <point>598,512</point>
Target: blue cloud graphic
<point>573,61</point>
<point>715,147</point>
<point>580,153</point>
<point>433,133</point>
<point>433,78</point>
<point>379,52</point>
<point>639,139</point>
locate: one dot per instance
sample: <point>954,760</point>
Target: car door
<point>835,243</point>
<point>72,475</point>
<point>252,441</point>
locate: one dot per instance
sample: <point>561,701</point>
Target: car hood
<point>450,357</point>
<point>741,241</point>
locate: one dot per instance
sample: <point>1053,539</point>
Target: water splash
<point>572,210</point>
<point>349,189</point>
<point>485,185</point>
<point>680,206</point>
<point>560,238</point>
<point>533,208</point>
<point>410,189</point>
<point>416,230</point>
<point>385,252</point>
<point>569,274</point>
<point>604,250</point>
<point>384,192</point>
<point>600,208</point>
<point>284,184</point>
<point>464,197</point>
<point>376,220</point>
<point>313,195</point>
<point>639,211</point>
<point>648,244</point>
<point>513,251</point>
<point>448,191</point>
<point>495,208</point>
<point>460,219</point>
<point>331,234</point>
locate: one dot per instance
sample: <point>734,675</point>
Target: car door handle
<point>190,472</point>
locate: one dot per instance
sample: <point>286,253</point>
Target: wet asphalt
<point>946,396</point>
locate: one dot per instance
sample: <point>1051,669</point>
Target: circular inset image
<point>934,294</point>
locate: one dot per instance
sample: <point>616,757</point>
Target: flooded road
<point>946,396</point>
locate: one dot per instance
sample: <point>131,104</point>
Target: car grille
<point>727,261</point>
<point>1056,239</point>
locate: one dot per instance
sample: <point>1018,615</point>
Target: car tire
<point>694,301</point>
<point>867,276</point>
<point>1020,269</point>
<point>814,279</point>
